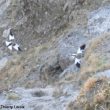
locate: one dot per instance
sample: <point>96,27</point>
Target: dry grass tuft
<point>95,57</point>
<point>92,46</point>
<point>95,43</point>
<point>92,64</point>
<point>97,99</point>
<point>13,96</point>
<point>100,97</point>
<point>89,84</point>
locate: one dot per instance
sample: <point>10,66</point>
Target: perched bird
<point>17,47</point>
<point>81,49</point>
<point>11,36</point>
<point>9,45</point>
<point>78,62</point>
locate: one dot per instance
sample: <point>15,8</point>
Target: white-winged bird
<point>17,47</point>
<point>9,45</point>
<point>81,49</point>
<point>78,62</point>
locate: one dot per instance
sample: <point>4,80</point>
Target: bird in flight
<point>78,62</point>
<point>17,47</point>
<point>77,57</point>
<point>9,45</point>
<point>81,49</point>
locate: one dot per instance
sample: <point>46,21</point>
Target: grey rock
<point>99,21</point>
<point>105,73</point>
<point>72,69</point>
<point>3,62</point>
<point>6,33</point>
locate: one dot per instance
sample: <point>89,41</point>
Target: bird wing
<point>7,43</point>
<point>77,60</point>
<point>10,47</point>
<point>11,37</point>
<point>16,46</point>
<point>79,51</point>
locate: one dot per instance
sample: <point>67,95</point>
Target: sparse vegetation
<point>96,57</point>
<point>89,84</point>
<point>95,96</point>
<point>13,96</point>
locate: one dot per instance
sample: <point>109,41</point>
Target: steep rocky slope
<point>43,76</point>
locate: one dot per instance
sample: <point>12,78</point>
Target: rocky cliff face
<point>49,32</point>
<point>32,20</point>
